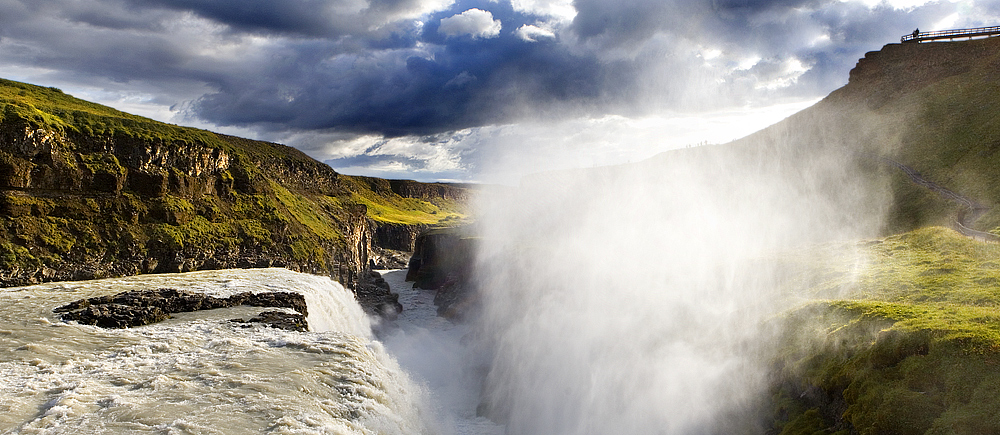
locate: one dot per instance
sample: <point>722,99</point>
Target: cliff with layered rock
<point>90,192</point>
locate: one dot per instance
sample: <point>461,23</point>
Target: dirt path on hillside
<point>969,212</point>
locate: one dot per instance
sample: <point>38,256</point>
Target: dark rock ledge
<point>444,260</point>
<point>142,307</point>
<point>277,319</point>
<point>375,297</point>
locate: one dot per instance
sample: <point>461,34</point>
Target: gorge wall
<point>79,207</point>
<point>89,192</point>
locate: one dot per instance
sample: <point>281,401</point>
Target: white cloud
<point>532,33</point>
<point>898,4</point>
<point>782,75</point>
<point>948,22</point>
<point>474,22</point>
<point>561,10</point>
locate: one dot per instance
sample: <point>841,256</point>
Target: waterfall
<point>198,372</point>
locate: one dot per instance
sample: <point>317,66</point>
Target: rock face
<point>898,69</point>
<point>444,261</point>
<point>389,259</point>
<point>143,307</point>
<point>375,297</point>
<point>413,189</point>
<point>117,316</point>
<point>399,237</point>
<point>90,207</point>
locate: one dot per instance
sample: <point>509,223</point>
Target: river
<point>198,373</point>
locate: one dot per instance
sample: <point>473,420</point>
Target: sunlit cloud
<point>532,33</point>
<point>476,23</point>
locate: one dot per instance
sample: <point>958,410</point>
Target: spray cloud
<point>630,299</point>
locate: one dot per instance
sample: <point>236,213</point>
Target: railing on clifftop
<point>951,34</point>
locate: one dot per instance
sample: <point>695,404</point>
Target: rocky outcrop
<point>443,260</point>
<point>438,254</point>
<point>428,191</point>
<point>899,69</point>
<point>374,295</point>
<point>143,307</point>
<point>399,237</point>
<point>278,319</point>
<point>389,258</point>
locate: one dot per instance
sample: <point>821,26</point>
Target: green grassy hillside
<point>900,334</point>
<point>87,191</point>
<point>909,343</point>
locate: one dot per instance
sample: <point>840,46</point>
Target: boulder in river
<point>279,319</point>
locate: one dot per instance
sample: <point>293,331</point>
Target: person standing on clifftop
<point>916,32</point>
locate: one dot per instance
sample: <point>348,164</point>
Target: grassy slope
<point>385,206</point>
<point>907,343</point>
<point>273,215</point>
<point>51,108</point>
<point>901,335</point>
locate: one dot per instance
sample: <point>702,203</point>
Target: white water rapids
<point>200,374</point>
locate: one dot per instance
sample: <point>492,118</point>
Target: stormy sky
<point>462,90</point>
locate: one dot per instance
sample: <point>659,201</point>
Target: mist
<point>633,298</point>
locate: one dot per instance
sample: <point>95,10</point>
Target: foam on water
<point>198,373</point>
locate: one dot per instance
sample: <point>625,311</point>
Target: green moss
<point>261,207</point>
<point>103,163</point>
<point>15,205</point>
<point>12,255</point>
<point>252,232</point>
<point>201,234</point>
<point>174,204</point>
<point>806,423</point>
<point>52,233</point>
<point>306,213</point>
<point>307,250</point>
<point>170,236</point>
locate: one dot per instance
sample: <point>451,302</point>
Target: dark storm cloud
<point>460,82</point>
<point>303,17</point>
<point>312,18</point>
<point>383,67</point>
